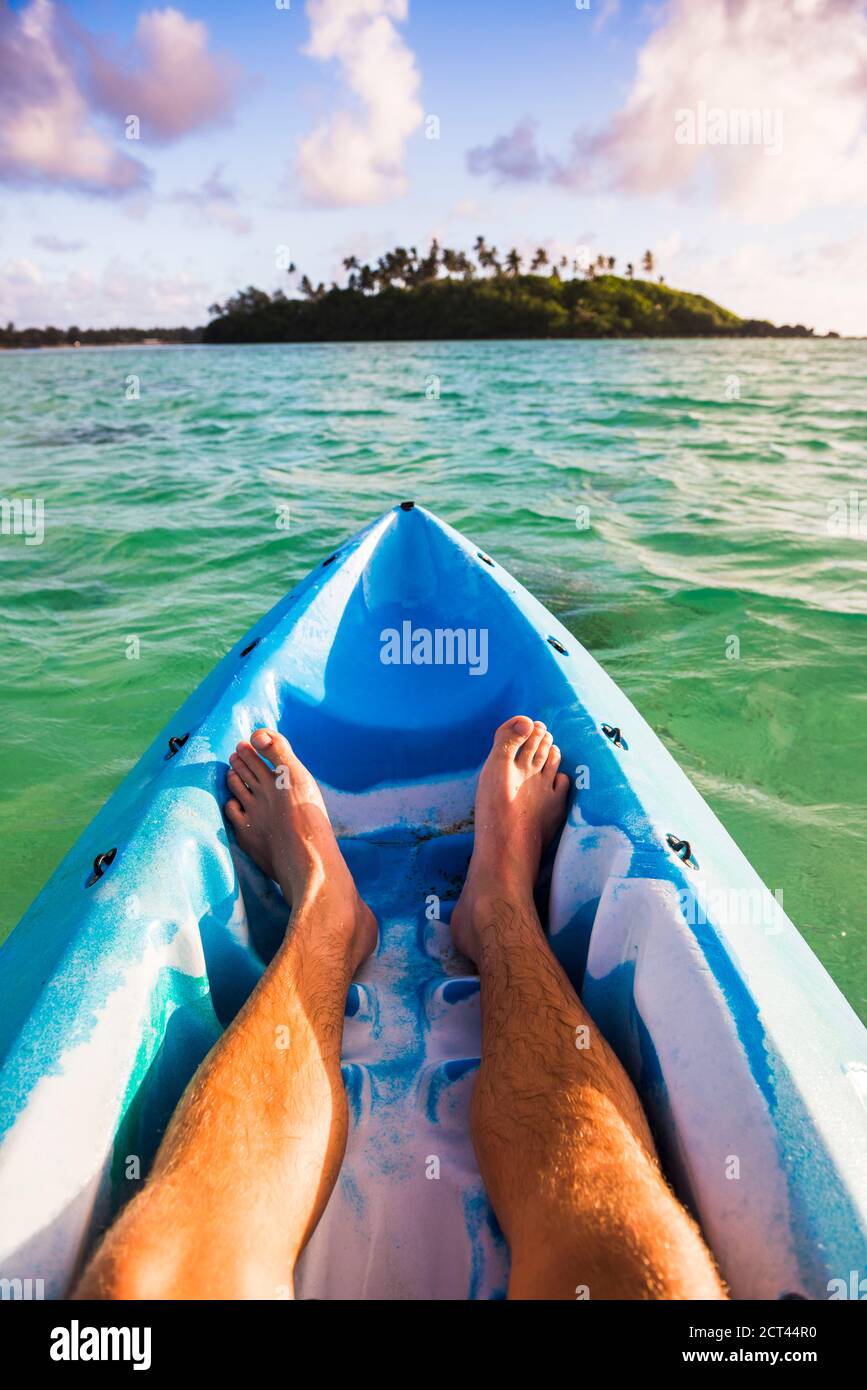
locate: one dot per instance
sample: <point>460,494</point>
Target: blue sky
<point>306,127</point>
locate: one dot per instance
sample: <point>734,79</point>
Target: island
<point>449,294</point>
<point>446,294</point>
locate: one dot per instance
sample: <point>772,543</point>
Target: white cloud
<point>357,157</point>
<point>804,58</point>
<point>121,296</point>
<point>811,285</point>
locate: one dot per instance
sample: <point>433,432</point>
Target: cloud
<point>167,78</point>
<point>800,63</point>
<point>609,10</point>
<point>122,294</point>
<point>811,284</point>
<point>55,80</point>
<point>804,59</point>
<point>512,158</point>
<point>49,242</point>
<point>216,201</point>
<point>357,157</point>
<point>46,133</point>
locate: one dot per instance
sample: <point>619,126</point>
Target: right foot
<point>520,805</point>
<point>280,820</point>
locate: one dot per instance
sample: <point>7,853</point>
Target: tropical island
<point>446,294</point>
<point>449,294</point>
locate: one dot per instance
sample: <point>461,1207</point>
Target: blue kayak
<point>388,668</point>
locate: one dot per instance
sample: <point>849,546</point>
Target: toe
<point>511,736</point>
<point>552,766</point>
<point>528,751</point>
<point>247,763</point>
<point>540,757</point>
<point>561,784</point>
<point>238,787</point>
<point>273,746</point>
<point>236,813</point>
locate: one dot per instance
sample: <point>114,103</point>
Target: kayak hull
<point>388,668</point>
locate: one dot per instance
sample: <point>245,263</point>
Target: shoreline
<point>517,338</point>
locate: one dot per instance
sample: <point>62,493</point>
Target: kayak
<point>388,668</point>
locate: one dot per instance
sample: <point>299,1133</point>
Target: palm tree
<point>540,259</point>
<point>428,268</point>
<point>488,259</point>
<point>647,262</point>
<point>630,271</point>
<point>513,262</point>
<point>611,264</point>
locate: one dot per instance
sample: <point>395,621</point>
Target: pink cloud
<point>46,132</point>
<point>795,68</point>
<point>55,80</point>
<point>168,78</point>
<point>766,104</point>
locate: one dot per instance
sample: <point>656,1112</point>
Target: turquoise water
<point>713,516</point>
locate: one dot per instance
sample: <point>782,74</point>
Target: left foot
<point>280,820</point>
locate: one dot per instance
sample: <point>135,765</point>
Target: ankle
<point>506,908</point>
<point>330,924</point>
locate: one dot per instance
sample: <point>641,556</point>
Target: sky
<point>155,159</point>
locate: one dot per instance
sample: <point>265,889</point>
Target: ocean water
<point>688,509</point>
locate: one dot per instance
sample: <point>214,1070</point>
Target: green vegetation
<point>12,337</point>
<point>445,294</point>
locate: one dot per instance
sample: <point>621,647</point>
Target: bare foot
<point>520,805</point>
<point>280,820</point>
